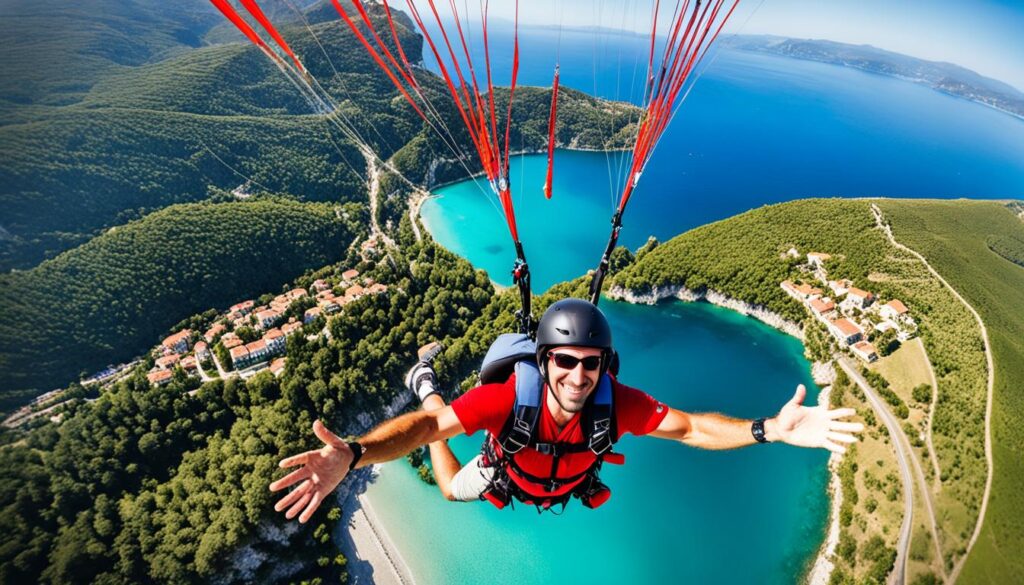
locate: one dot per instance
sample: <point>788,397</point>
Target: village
<point>249,338</point>
<point>854,317</point>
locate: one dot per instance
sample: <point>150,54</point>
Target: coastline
<point>820,570</point>
<point>372,555</point>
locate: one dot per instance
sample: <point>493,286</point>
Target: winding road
<point>880,220</point>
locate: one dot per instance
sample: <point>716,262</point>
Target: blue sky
<point>983,35</point>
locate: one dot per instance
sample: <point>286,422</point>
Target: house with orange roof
<point>822,307</point>
<point>231,340</point>
<point>211,334</point>
<point>239,356</point>
<point>894,310</point>
<point>864,351</point>
<point>202,350</point>
<point>311,314</point>
<point>267,318</point>
<point>846,331</point>
<point>168,361</point>
<point>178,342</point>
<point>290,328</point>
<point>840,287</point>
<point>296,293</point>
<point>258,350</point>
<point>159,377</point>
<point>274,340</point>
<point>320,285</point>
<point>350,275</point>
<point>856,297</point>
<point>277,366</point>
<point>188,363</point>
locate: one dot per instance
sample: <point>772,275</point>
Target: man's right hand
<point>322,470</point>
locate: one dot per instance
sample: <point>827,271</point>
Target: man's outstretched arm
<point>321,470</point>
<point>795,424</point>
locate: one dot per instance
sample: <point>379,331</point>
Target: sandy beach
<point>372,556</point>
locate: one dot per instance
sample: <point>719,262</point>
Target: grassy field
<point>905,368</point>
<point>952,235</point>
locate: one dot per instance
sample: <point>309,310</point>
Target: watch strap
<point>357,452</point>
<point>757,429</point>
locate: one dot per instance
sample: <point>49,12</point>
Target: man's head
<point>574,347</point>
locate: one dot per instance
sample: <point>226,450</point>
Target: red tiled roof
<point>846,327</point>
<point>242,306</point>
<point>239,352</point>
<point>172,340</point>
<point>897,306</point>
<point>255,346</point>
<point>168,360</point>
<point>201,346</point>
<point>856,292</point>
<point>277,365</point>
<point>350,274</point>
<point>819,306</point>
<point>273,334</point>
<point>159,376</point>
<point>189,363</point>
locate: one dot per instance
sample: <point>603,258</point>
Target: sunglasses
<point>568,362</point>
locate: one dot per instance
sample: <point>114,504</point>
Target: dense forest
<point>112,297</point>
<point>170,484</point>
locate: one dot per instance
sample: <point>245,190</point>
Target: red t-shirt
<point>489,406</point>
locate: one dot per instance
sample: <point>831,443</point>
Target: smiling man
<point>550,425</point>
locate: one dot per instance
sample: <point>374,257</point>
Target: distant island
<point>950,79</point>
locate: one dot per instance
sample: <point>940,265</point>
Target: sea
<point>756,129</point>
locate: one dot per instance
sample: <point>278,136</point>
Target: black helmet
<point>573,322</point>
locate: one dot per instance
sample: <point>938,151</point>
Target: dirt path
<point>988,399</point>
<point>937,484</point>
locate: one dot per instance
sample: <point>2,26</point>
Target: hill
<point>945,77</point>
<point>746,258</point>
<point>156,132</point>
<point>109,298</point>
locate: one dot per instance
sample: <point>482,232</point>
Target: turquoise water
<point>752,515</point>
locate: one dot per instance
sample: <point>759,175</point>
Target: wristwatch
<point>757,429</point>
<point>357,452</point>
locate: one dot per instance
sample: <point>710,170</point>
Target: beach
<point>372,556</point>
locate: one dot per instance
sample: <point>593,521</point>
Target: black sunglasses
<point>568,362</point>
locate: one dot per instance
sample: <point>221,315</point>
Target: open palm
<point>815,426</point>
<point>320,471</point>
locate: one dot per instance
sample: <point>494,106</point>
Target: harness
<point>517,353</point>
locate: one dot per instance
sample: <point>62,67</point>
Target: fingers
<point>293,495</point>
<point>841,413</point>
<point>850,427</point>
<point>799,396</point>
<point>294,460</point>
<point>291,478</point>
<point>841,438</point>
<point>314,503</point>
<point>834,447</point>
<point>326,436</point>
<point>299,505</point>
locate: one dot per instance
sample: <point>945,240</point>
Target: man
<point>562,456</point>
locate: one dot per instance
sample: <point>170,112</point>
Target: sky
<point>983,35</point>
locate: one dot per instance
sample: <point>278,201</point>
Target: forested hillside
<point>113,297</point>
<point>158,484</point>
<point>745,257</point>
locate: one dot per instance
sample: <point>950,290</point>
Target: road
<point>880,220</point>
<point>903,456</point>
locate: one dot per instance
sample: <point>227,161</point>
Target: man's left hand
<point>812,426</point>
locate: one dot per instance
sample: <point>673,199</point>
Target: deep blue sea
<point>756,129</point>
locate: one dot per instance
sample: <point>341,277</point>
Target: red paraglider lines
<point>376,57</point>
<point>254,10</point>
<point>244,27</point>
<point>551,134</point>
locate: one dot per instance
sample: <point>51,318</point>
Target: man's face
<point>570,387</point>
